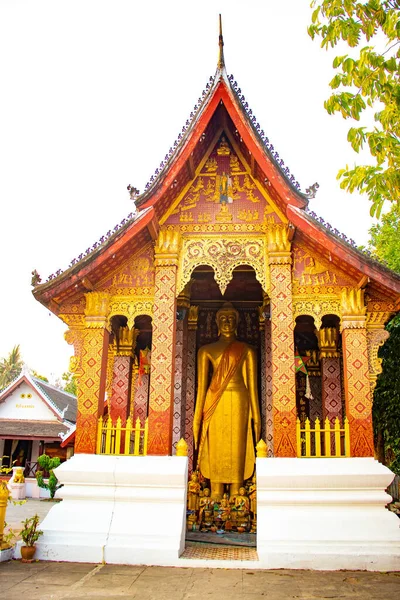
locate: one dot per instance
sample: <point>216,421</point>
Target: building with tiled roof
<point>35,417</point>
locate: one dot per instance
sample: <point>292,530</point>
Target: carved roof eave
<point>72,277</point>
<point>375,270</point>
<point>222,90</point>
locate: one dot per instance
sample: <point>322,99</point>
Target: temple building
<point>35,417</point>
<point>223,225</point>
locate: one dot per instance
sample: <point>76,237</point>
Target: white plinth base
<point>325,514</point>
<point>312,514</point>
<point>117,509</point>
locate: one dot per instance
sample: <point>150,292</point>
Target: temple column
<point>92,372</point>
<point>330,373</point>
<point>282,341</point>
<point>141,396</point>
<point>183,304</point>
<point>190,381</point>
<point>119,405</point>
<point>356,374</point>
<point>163,344</point>
<point>267,429</point>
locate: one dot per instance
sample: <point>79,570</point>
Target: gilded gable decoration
<point>223,255</point>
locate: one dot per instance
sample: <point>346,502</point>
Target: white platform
<point>312,514</point>
<point>326,513</point>
<point>117,509</point>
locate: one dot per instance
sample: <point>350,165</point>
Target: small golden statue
<point>228,405</point>
<point>206,511</point>
<point>253,495</point>
<point>19,476</point>
<point>241,511</point>
<point>193,492</point>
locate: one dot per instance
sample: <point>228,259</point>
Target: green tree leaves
<point>367,79</point>
<point>10,367</point>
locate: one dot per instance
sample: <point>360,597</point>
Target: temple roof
<point>222,109</point>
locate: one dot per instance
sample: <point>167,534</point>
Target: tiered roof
<point>222,106</point>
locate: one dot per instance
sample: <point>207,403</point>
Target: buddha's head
<point>194,477</point>
<point>242,491</point>
<point>207,492</point>
<point>227,320</point>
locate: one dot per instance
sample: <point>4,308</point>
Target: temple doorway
<point>231,520</point>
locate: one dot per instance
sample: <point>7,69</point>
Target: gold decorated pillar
<point>282,341</point>
<point>267,429</point>
<point>125,342</point>
<point>330,374</point>
<point>183,304</point>
<point>356,373</point>
<point>190,381</point>
<point>92,371</point>
<point>163,344</point>
<point>376,337</point>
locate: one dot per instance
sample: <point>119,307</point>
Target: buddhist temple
<point>223,314</point>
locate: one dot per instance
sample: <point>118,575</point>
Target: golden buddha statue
<point>224,411</point>
<point>193,492</point>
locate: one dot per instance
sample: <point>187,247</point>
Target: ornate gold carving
<point>193,316</point>
<point>223,255</point>
<point>248,215</point>
<point>375,339</point>
<point>224,215</point>
<point>278,235</point>
<point>96,310</point>
<point>130,307</point>
<point>211,166</point>
<point>204,226</point>
<point>316,308</point>
<point>126,341</point>
<point>353,308</point>
<point>328,342</point>
<point>183,300</point>
<point>74,321</point>
<point>223,149</point>
<point>74,337</point>
<point>377,320</point>
<point>167,248</point>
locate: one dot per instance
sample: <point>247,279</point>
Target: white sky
<point>94,93</point>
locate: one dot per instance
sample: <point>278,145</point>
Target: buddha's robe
<point>226,450</point>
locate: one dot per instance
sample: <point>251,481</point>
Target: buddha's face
<point>242,491</point>
<point>206,492</point>
<point>227,322</point>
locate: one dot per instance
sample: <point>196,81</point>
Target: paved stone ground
<point>56,581</point>
<point>18,512</point>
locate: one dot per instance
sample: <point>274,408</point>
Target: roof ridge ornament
<point>221,59</point>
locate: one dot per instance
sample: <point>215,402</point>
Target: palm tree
<point>10,367</point>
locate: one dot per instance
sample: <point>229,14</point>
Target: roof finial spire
<point>221,60</point>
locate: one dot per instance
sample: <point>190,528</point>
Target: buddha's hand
<point>257,430</point>
<point>196,431</point>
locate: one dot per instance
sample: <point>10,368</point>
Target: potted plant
<point>30,534</point>
<point>48,464</point>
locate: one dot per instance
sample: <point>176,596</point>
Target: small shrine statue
<point>241,511</point>
<point>206,509</point>
<point>253,495</point>
<point>241,501</point>
<point>193,492</point>
<point>225,507</point>
<point>19,476</point>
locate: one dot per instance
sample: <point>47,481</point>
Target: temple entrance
<point>229,516</point>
